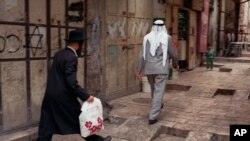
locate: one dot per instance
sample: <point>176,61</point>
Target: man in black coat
<point>60,107</point>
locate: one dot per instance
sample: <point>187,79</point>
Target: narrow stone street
<point>54,53</point>
<point>198,106</point>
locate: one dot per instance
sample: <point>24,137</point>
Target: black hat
<point>75,35</point>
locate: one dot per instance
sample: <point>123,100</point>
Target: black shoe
<point>152,121</point>
<point>108,138</point>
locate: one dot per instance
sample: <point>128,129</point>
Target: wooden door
<point>127,22</point>
<point>116,43</point>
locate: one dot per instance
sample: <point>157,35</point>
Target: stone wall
<point>29,38</point>
<point>96,60</point>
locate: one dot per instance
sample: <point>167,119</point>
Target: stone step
<point>24,135</point>
<point>245,55</point>
<point>135,129</point>
<point>232,60</point>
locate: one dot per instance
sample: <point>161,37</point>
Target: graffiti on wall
<point>75,11</point>
<point>117,29</point>
<point>35,41</point>
<point>10,43</point>
<point>139,28</point>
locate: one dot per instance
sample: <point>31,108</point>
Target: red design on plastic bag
<point>93,128</point>
<point>99,120</point>
<point>88,124</point>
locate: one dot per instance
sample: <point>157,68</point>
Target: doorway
<point>183,20</point>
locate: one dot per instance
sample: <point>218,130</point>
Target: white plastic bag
<point>91,118</point>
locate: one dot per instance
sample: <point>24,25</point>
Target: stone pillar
<point>221,32</point>
<point>96,60</point>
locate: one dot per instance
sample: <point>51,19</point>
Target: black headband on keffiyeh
<point>158,22</point>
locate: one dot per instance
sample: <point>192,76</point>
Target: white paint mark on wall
<point>139,28</point>
<point>117,29</point>
<point>133,30</point>
<point>112,28</point>
<point>121,28</point>
<point>10,4</point>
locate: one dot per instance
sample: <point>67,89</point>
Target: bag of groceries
<point>91,118</point>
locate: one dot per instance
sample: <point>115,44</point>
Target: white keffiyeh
<point>158,36</point>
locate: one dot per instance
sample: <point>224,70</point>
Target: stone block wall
<point>31,32</point>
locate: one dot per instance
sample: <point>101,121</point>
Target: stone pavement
<point>198,106</point>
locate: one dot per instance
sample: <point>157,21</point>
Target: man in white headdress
<point>154,63</point>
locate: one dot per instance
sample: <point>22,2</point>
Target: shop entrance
<point>183,37</point>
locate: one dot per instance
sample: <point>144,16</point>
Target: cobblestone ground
<point>199,113</point>
<point>198,106</point>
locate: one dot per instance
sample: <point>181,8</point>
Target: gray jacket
<point>153,64</point>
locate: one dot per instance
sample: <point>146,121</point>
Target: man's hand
<point>90,99</point>
<point>138,75</point>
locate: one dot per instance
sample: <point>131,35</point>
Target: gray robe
<point>156,73</point>
<point>153,64</point>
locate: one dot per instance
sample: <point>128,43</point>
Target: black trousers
<point>48,137</point>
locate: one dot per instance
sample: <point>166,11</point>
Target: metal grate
<point>31,48</point>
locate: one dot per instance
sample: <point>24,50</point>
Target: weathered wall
<point>24,65</point>
<point>230,16</point>
<point>188,49</point>
<point>161,9</point>
<point>95,62</point>
<point>203,28</point>
<point>244,24</point>
<point>127,21</point>
<point>14,94</point>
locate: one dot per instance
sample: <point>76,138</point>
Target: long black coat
<point>60,108</point>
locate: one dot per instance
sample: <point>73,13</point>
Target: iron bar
<point>22,59</point>
<point>85,42</point>
<point>27,42</point>
<point>35,24</point>
<point>48,7</point>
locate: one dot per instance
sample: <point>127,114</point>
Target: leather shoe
<point>152,121</point>
<point>108,138</point>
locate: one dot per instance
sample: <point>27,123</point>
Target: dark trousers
<point>210,63</point>
<point>48,137</point>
